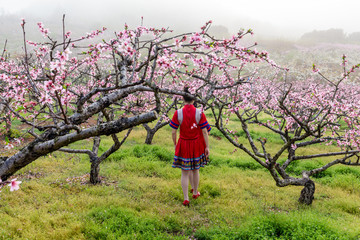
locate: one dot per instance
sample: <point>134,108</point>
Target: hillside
<point>140,198</point>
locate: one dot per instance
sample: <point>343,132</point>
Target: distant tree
<point>354,37</point>
<point>219,31</point>
<point>330,36</point>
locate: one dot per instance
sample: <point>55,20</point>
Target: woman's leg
<point>196,178</point>
<point>191,178</point>
<point>185,183</point>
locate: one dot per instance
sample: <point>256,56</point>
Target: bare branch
<point>324,155</point>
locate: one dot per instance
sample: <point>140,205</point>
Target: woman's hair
<point>186,98</point>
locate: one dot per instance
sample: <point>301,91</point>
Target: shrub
<point>245,165</point>
<point>213,191</point>
<point>118,223</point>
<point>152,153</point>
<point>147,152</point>
<point>276,226</point>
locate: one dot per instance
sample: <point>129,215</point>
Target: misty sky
<point>276,18</point>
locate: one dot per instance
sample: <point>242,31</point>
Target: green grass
<point>140,197</point>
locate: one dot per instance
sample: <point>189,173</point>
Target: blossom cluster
<point>328,112</point>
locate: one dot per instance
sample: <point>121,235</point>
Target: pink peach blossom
<point>14,185</point>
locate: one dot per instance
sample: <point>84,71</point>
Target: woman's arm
<point>206,138</point>
<point>173,134</point>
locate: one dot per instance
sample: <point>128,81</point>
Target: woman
<point>192,148</point>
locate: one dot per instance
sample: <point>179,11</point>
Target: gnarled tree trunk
<point>94,172</point>
<point>39,148</point>
<point>149,137</point>
<point>150,132</point>
<point>307,193</point>
<point>94,159</point>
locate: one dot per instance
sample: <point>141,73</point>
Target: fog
<point>279,19</point>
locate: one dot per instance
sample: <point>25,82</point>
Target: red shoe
<point>186,203</point>
<point>191,190</point>
<point>196,196</point>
